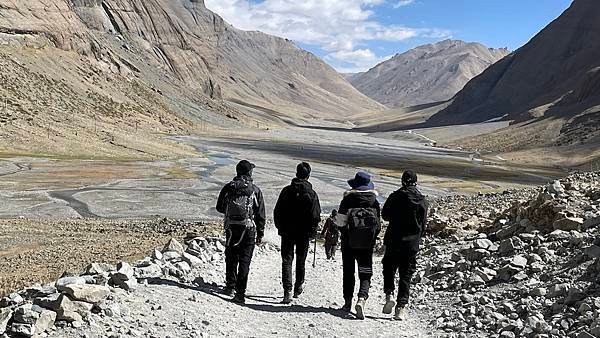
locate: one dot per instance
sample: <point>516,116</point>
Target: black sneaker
<point>239,299</point>
<point>228,292</point>
<point>298,291</point>
<point>347,306</point>
<point>286,298</point>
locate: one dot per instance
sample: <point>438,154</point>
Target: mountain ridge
<point>427,73</point>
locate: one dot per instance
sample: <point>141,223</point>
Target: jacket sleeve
<point>280,211</point>
<point>343,208</point>
<point>260,217</point>
<point>326,227</point>
<point>377,207</point>
<point>388,207</point>
<point>316,213</point>
<point>222,200</point>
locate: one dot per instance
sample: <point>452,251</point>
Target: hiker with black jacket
<point>331,233</point>
<point>406,210</point>
<point>297,215</point>
<point>243,206</point>
<point>360,227</point>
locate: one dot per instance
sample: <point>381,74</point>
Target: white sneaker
<point>360,308</point>
<point>400,313</point>
<point>389,305</point>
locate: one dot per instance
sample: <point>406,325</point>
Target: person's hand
<point>259,241</point>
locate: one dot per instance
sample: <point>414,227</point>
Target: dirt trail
<point>168,308</point>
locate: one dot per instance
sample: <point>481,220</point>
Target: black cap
<point>244,167</point>
<point>409,178</point>
<point>303,170</point>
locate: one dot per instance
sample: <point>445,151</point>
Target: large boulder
<point>5,316</point>
<point>174,245</point>
<point>87,293</point>
<point>568,223</point>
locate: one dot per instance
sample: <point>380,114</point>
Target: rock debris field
<point>521,263</point>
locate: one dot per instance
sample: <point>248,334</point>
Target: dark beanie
<point>409,178</point>
<point>244,167</point>
<point>303,170</point>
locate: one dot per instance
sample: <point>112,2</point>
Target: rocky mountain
<point>153,65</point>
<point>426,74</point>
<point>555,78</point>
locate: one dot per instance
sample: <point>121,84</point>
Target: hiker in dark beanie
<point>406,210</point>
<point>358,236</point>
<point>297,215</point>
<point>244,208</point>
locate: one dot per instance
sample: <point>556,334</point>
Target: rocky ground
<point>522,263</point>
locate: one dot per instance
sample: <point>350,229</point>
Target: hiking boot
<point>360,308</point>
<point>298,291</point>
<point>389,304</point>
<point>287,299</point>
<point>347,306</point>
<point>400,313</point>
<point>228,292</point>
<point>239,298</point>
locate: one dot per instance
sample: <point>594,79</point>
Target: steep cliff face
<point>426,74</point>
<point>181,40</point>
<point>555,74</point>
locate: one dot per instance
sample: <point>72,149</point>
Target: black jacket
<point>406,210</point>
<point>298,211</point>
<point>258,209</point>
<point>358,199</point>
<point>331,232</point>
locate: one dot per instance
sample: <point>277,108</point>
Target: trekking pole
<point>315,254</point>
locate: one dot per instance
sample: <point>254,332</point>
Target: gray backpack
<point>238,217</point>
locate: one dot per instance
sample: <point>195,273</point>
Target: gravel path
<point>168,308</point>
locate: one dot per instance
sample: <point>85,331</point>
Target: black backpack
<point>238,216</point>
<point>363,227</point>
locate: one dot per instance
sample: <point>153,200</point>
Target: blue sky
<point>354,35</point>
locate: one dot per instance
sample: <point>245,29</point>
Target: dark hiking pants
<point>364,259</point>
<point>404,261</point>
<point>237,262</point>
<point>330,250</point>
<point>288,244</point>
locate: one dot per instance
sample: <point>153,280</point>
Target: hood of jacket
<point>364,192</point>
<point>301,185</point>
<point>242,185</point>
<point>413,194</point>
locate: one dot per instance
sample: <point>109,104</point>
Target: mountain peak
<point>428,73</point>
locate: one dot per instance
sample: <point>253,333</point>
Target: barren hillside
<point>426,74</point>
<point>140,67</point>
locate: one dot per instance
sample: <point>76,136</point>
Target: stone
<point>156,254</point>
<point>62,282</point>
<point>486,274</point>
<point>476,254</point>
<point>593,251</point>
<point>519,262</point>
<point>99,268</point>
<point>507,272</point>
<point>171,256</point>
<point>539,292</point>
<point>558,290</point>
<point>11,299</point>
<point>25,314</point>
<point>5,316</point>
<point>510,245</point>
<point>183,268</point>
<point>45,321</point>
<point>568,224</point>
<point>592,222</point>
<point>174,245</point>
<point>482,244</point>
<point>193,261</point>
<point>66,310</point>
<point>583,308</point>
<point>585,334</point>
<point>88,292</point>
<point>41,291</point>
<point>150,271</point>
<point>556,188</point>
<point>25,330</point>
<point>124,271</point>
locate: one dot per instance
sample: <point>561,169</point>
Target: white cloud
<point>403,3</point>
<point>333,25</point>
<point>359,60</point>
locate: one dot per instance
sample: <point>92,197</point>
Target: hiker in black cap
<point>359,232</point>
<point>243,206</point>
<point>297,215</point>
<point>406,210</point>
<point>331,233</point>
